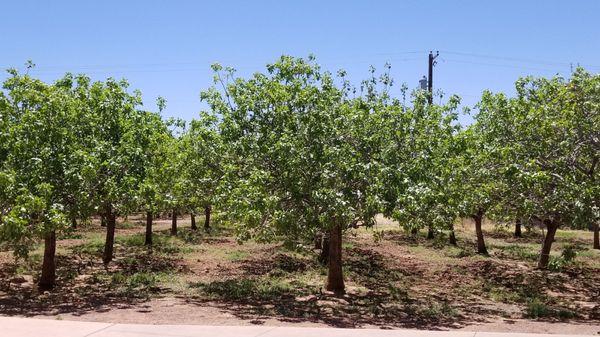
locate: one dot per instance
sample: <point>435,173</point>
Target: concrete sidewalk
<point>29,327</point>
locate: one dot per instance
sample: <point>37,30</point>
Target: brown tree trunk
<point>48,277</point>
<point>73,222</point>
<point>207,211</point>
<point>318,241</point>
<point>110,235</point>
<point>596,236</point>
<point>551,227</point>
<point>102,220</point>
<point>518,233</point>
<point>481,249</point>
<point>452,237</point>
<point>430,233</point>
<point>149,218</point>
<point>414,232</point>
<point>335,277</point>
<point>193,221</point>
<point>324,256</point>
<point>174,222</point>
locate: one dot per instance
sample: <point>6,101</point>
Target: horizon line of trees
<point>299,154</point>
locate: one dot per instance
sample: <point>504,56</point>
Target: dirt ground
<point>394,280</point>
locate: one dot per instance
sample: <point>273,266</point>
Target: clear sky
<point>166,47</point>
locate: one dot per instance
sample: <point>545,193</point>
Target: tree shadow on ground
<point>279,264</point>
<point>527,236</point>
<point>378,296</point>
<point>84,284</point>
<point>568,294</point>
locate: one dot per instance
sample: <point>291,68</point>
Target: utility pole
<point>432,62</point>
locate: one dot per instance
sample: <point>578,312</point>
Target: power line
<point>502,65</point>
<point>152,66</point>
<point>516,59</point>
<point>155,68</point>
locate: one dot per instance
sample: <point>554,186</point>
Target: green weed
<point>247,289</point>
<point>536,309</point>
<point>237,255</point>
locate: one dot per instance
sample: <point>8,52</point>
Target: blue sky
<point>166,47</point>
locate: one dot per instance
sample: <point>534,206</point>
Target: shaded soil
<point>394,280</point>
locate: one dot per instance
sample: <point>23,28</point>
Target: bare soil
<point>394,280</point>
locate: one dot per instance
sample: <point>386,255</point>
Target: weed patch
<point>260,289</point>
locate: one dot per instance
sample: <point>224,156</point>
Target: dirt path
<point>180,311</point>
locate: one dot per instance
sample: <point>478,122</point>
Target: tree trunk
<point>452,237</point>
<point>481,249</point>
<point>318,240</point>
<point>102,220</point>
<point>193,221</point>
<point>596,236</point>
<point>518,233</point>
<point>148,241</point>
<point>324,256</point>
<point>551,227</point>
<point>207,211</point>
<point>110,235</point>
<point>430,233</point>
<point>73,222</point>
<point>174,222</point>
<point>48,277</point>
<point>335,278</point>
<point>414,232</point>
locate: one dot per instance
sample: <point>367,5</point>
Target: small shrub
<point>142,280</point>
<point>118,278</point>
<point>247,289</point>
<point>569,253</point>
<point>566,258</point>
<point>556,263</point>
<point>437,310</point>
<point>378,236</point>
<point>566,314</point>
<point>536,308</point>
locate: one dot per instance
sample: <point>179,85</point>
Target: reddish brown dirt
<point>397,282</point>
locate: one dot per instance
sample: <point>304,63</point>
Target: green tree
<point>45,166</point>
<point>172,182</point>
<point>154,135</point>
<point>300,156</point>
<point>203,157</point>
<point>119,142</point>
<point>420,157</point>
<point>547,148</point>
<point>478,179</point>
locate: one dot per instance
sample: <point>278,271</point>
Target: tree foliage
<point>295,152</point>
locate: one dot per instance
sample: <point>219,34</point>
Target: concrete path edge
<point>32,327</point>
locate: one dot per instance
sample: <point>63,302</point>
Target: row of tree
<point>74,149</point>
<point>296,153</point>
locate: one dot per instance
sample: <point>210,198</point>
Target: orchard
<point>300,160</point>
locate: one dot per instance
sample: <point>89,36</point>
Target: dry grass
<point>393,279</point>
